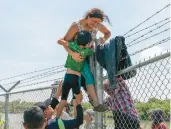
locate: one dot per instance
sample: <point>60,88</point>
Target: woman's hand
<point>76,56</point>
<point>102,40</point>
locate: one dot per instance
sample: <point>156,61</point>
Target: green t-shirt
<point>84,52</point>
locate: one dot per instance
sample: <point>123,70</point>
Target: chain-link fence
<point>149,89</point>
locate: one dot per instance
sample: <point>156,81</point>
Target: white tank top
<point>93,32</point>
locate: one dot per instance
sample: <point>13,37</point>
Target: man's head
<point>46,108</point>
<point>84,38</point>
<point>34,118</point>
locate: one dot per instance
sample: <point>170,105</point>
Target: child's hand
<point>76,56</point>
<point>88,45</point>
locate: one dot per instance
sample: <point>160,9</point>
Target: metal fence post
<point>6,103</point>
<point>6,111</point>
<point>99,90</point>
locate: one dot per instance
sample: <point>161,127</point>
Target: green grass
<point>145,124</point>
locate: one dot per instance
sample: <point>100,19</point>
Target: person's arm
<point>54,103</point>
<point>75,109</point>
<point>87,52</point>
<point>106,33</point>
<point>59,90</point>
<point>75,123</point>
<point>63,42</point>
<point>69,36</point>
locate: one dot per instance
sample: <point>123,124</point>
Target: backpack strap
<point>80,27</point>
<point>60,124</point>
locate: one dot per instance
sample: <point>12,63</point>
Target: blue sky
<point>29,29</point>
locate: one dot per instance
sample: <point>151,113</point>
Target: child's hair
<point>83,38</point>
<point>156,116</point>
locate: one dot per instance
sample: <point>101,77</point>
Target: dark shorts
<point>73,82</point>
<point>83,83</point>
<point>124,121</point>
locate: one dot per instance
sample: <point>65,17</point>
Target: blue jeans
<point>106,57</point>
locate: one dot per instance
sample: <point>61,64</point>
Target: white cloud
<point>151,52</point>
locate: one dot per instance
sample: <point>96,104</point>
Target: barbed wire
<point>148,27</point>
<point>31,72</point>
<point>36,83</point>
<point>155,44</point>
<point>53,73</point>
<point>149,37</point>
<point>32,77</point>
<point>141,50</point>
<point>149,32</point>
<point>147,19</point>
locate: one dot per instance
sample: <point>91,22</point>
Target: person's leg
<point>65,91</point>
<point>83,84</point>
<point>124,121</point>
<point>130,122</point>
<point>89,80</point>
<point>117,120</point>
<point>92,93</point>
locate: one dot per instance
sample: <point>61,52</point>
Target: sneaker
<point>100,108</point>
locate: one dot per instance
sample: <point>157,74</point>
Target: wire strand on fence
<point>148,27</point>
<point>32,77</point>
<point>148,32</point>
<point>36,83</point>
<point>147,19</point>
<point>51,74</point>
<point>31,72</point>
<point>155,44</point>
<point>149,37</point>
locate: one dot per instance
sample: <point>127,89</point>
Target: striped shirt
<point>120,98</point>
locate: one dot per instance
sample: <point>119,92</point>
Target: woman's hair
<point>97,13</point>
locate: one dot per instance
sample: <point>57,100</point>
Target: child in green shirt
<point>72,79</point>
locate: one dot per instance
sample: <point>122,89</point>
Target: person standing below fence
<point>57,123</point>
<point>89,114</point>
<point>92,22</point>
<point>72,77</point>
<point>34,118</point>
<point>157,119</point>
<point>121,104</point>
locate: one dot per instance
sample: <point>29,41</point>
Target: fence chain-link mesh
<point>149,90</point>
